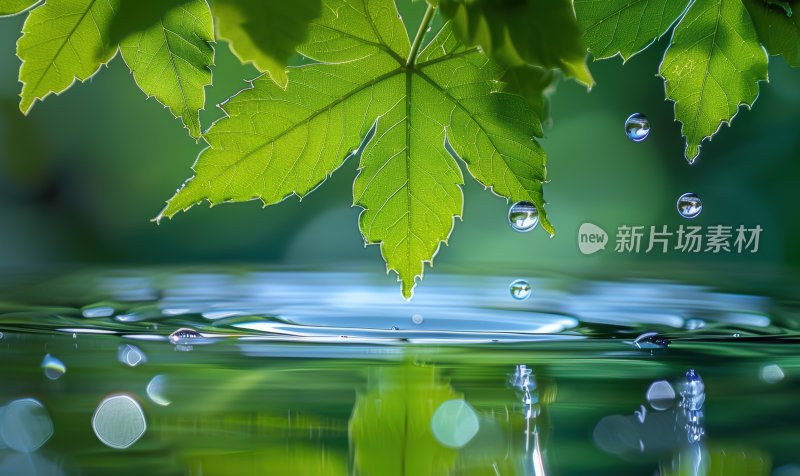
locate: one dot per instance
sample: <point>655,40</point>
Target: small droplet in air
<point>523,216</point>
<point>637,127</point>
<point>651,340</point>
<point>520,290</point>
<point>689,205</point>
<point>184,335</point>
<point>53,367</point>
<point>417,319</point>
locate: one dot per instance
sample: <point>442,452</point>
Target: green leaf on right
<point>13,7</point>
<point>265,33</point>
<point>625,27</point>
<point>779,32</point>
<point>711,67</point>
<point>714,61</point>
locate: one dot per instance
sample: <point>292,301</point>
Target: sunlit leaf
<point>276,143</point>
<point>265,33</point>
<point>171,59</point>
<point>712,66</point>
<point>63,41</point>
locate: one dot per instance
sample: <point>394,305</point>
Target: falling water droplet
<point>417,319</point>
<point>637,127</point>
<point>651,340</point>
<point>184,335</point>
<point>119,421</point>
<point>520,290</point>
<point>130,355</point>
<point>53,367</point>
<point>523,216</point>
<point>689,205</point>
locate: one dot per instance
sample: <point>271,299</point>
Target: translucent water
<point>286,381</point>
<point>689,205</point>
<point>520,290</point>
<point>651,340</point>
<point>637,127</point>
<point>523,216</point>
<point>53,367</point>
<point>185,335</point>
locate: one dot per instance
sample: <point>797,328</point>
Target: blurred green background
<point>82,176</point>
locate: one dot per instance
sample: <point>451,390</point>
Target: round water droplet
<point>651,340</point>
<point>156,390</point>
<point>25,425</point>
<point>119,421</point>
<point>689,205</point>
<point>417,319</point>
<point>523,216</point>
<point>520,290</point>
<point>772,373</point>
<point>637,127</point>
<point>53,367</point>
<point>660,395</point>
<point>130,355</point>
<point>454,423</point>
<point>184,335</point>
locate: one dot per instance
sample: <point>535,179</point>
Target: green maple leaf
<point>712,66</point>
<point>166,44</point>
<point>275,143</point>
<point>13,7</point>
<point>625,27</point>
<point>541,33</point>
<point>265,33</point>
<point>171,58</point>
<point>778,28</point>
